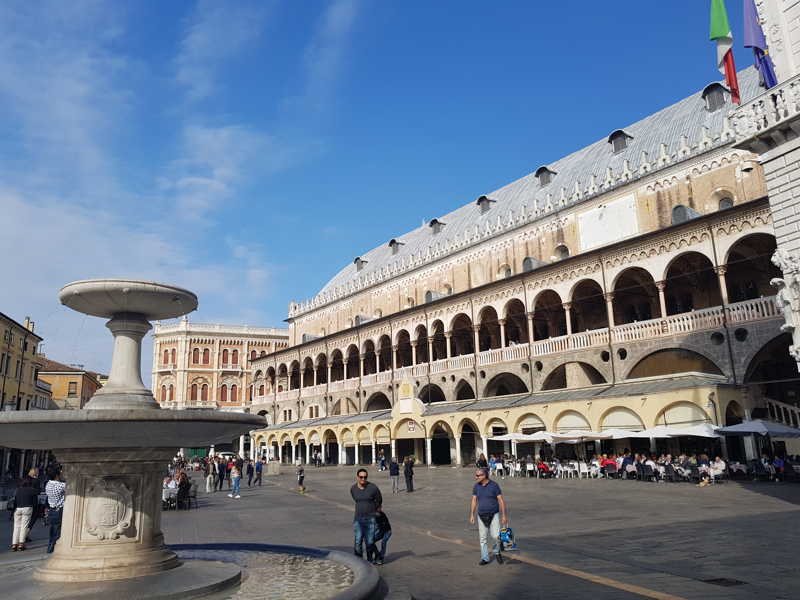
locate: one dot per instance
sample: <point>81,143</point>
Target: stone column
<point>362,358</point>
<point>610,308</point>
<point>308,453</point>
<point>475,339</point>
<point>329,373</point>
<point>568,315</point>
<point>322,452</point>
<point>485,445</point>
<point>662,301</point>
<point>428,451</point>
<point>723,286</point>
<point>241,446</point>
<point>430,349</point>
<point>394,448</point>
<point>293,453</point>
<point>394,356</point>
<point>529,316</point>
<point>314,375</point>
<point>372,444</point>
<point>211,451</point>
<point>447,336</point>
<point>502,332</point>
<point>514,448</point>
<point>413,352</point>
<point>344,369</point>
<point>458,449</point>
<point>112,516</point>
<point>342,455</point>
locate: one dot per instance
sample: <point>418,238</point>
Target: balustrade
<point>753,310</point>
<point>420,370</point>
<point>465,361</point>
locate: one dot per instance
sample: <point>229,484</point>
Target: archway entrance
<point>443,446</point>
<point>470,448</point>
<point>497,427</point>
<point>331,448</point>
<point>410,440</point>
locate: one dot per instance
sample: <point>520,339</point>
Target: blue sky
<point>249,150</point>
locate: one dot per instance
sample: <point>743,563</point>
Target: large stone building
<point>201,365</point>
<point>623,286</point>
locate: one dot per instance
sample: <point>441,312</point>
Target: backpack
<point>506,538</point>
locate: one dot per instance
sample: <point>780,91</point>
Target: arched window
<point>172,356</point>
<point>485,204</point>
<point>235,357</point>
<point>619,140</point>
<point>223,394</point>
<point>196,356</point>
<point>204,393</point>
<point>544,175</point>
<point>529,264</point>
<point>234,393</point>
<point>725,202</point>
<point>166,357</point>
<point>193,395</point>
<point>261,390</point>
<point>163,393</point>
<point>560,252</point>
<point>253,355</point>
<point>225,357</point>
<point>206,356</point>
<point>264,352</point>
<point>171,393</point>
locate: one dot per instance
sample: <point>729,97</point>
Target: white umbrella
<point>577,435</point>
<point>512,437</point>
<point>659,431</point>
<point>762,428</point>
<point>542,436</point>
<point>702,430</point>
<point>620,434</point>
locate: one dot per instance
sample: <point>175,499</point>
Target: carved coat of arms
<point>109,508</point>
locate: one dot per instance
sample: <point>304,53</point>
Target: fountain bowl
<point>109,297</point>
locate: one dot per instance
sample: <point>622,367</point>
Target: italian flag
<point>721,31</point>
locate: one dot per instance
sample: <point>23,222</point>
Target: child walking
<point>301,475</point>
<point>383,531</point>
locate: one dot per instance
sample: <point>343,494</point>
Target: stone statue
<point>788,296</point>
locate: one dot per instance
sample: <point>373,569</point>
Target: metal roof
<point>689,117</point>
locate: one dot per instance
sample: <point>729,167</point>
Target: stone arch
<point>671,361</point>
<point>307,372</point>
<point>571,419</point>
<point>353,358</point>
<point>494,423</point>
<point>770,366</point>
<point>294,375</point>
<point>516,322</point>
<point>401,429</point>
<point>381,434</point>
<point>682,413</point>
<point>549,317</point>
<point>529,423</point>
<point>690,283</point>
<point>431,393</point>
<point>489,332</point>
<point>421,338</point>
<point>748,268</point>
<point>462,340</point>
<point>505,384</point>
<point>438,341</point>
<point>587,306</point>
<point>466,421</point>
<point>572,374</point>
<point>377,401</point>
<point>337,365</point>
<point>363,435</point>
<point>734,413</point>
<point>404,355</point>
<point>321,366</point>
<point>384,353</point>
<point>635,296</point>
<point>464,390</point>
<point>621,417</point>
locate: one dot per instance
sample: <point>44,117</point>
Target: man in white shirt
<point>717,468</point>
<point>56,491</point>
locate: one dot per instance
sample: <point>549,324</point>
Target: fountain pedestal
<point>112,516</point>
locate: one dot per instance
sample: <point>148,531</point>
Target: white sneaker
<point>230,495</point>
<point>237,496</point>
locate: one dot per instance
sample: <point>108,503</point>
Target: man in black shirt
<point>368,501</point>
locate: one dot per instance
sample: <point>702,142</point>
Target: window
<point>619,140</point>
<point>528,264</point>
<point>436,225</point>
<point>163,393</point>
<point>485,204</point>
<point>72,389</point>
<point>234,393</point>
<point>172,356</point>
<point>544,175</point>
<point>253,355</point>
<point>261,390</point>
<point>264,353</point>
<point>193,395</point>
<point>166,357</point>
<point>560,252</point>
<point>223,394</point>
<point>395,246</point>
<point>196,356</point>
<point>714,96</point>
<point>204,393</point>
<point>171,393</point>
<point>359,263</point>
<point>206,356</point>
<point>225,357</point>
<point>725,203</point>
<point>235,357</point>
<point>428,296</point>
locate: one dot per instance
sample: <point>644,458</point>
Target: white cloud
<point>325,53</point>
<point>214,33</point>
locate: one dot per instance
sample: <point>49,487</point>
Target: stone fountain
<point>115,452</point>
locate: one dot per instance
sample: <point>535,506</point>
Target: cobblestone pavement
<point>578,539</point>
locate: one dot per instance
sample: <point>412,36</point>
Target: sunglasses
<point>362,476</point>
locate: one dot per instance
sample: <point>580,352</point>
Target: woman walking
<point>394,475</point>
<point>25,499</point>
<point>236,478</point>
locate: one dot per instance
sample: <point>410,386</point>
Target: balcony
<point>747,311</point>
<point>231,367</point>
<point>166,367</point>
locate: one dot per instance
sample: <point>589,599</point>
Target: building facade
<point>20,387</point>
<point>625,285</point>
<point>72,387</point>
<point>201,365</point>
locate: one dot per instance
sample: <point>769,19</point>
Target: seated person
<point>717,468</point>
<point>184,485</point>
<point>544,469</point>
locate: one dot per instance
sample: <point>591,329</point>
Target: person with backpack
<point>394,475</point>
<point>488,503</point>
<point>259,470</point>
<point>236,477</point>
<point>383,532</point>
<point>368,501</point>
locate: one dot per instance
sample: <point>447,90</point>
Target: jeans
<point>258,477</point>
<point>210,483</point>
<point>384,540</point>
<point>22,518</point>
<point>409,483</point>
<point>54,517</point>
<point>364,532</point>
<point>395,483</point>
<point>220,481</point>
<point>236,482</point>
<point>249,479</point>
<point>494,531</point>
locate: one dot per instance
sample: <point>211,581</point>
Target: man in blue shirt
<point>489,505</point>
